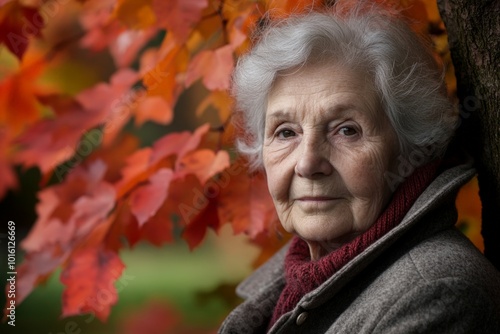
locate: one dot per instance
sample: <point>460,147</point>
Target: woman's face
<point>327,145</point>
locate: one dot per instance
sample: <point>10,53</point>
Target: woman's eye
<point>347,131</point>
<point>286,133</point>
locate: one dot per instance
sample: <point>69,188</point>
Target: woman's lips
<point>316,198</point>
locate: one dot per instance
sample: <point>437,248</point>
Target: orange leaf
<point>89,279</point>
<point>245,201</point>
<point>178,16</point>
<point>162,70</point>
<point>214,66</point>
<point>147,199</point>
<point>153,108</point>
<point>19,106</point>
<point>17,24</point>
<point>220,100</point>
<point>135,14</point>
<point>134,172</point>
<point>204,163</point>
<point>283,8</point>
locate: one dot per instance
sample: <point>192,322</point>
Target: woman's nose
<point>314,160</point>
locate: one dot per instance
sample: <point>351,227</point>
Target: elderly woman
<point>347,114</point>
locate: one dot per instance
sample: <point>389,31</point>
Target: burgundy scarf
<point>303,275</point>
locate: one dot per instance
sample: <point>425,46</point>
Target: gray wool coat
<point>424,276</point>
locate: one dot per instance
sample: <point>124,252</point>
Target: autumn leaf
<point>162,71</point>
<point>35,268</point>
<point>100,28</point>
<point>469,209</point>
<point>147,199</point>
<point>19,91</point>
<point>89,279</point>
<point>153,108</point>
<point>200,221</point>
<point>245,201</point>
<point>220,101</point>
<point>204,164</point>
<point>135,14</point>
<point>214,66</point>
<point>178,16</point>
<point>69,211</point>
<point>18,23</point>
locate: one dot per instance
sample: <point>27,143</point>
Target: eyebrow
<point>341,108</point>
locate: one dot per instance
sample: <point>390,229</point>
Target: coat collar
<point>443,189</point>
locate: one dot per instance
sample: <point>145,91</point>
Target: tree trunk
<point>474,38</point>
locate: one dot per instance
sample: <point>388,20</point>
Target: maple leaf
<point>69,211</point>
<point>89,278</point>
<point>52,141</point>
<point>17,24</point>
<point>35,268</point>
<point>245,201</point>
<point>19,105</point>
<point>200,221</point>
<point>204,163</point>
<point>178,16</point>
<point>153,108</point>
<point>145,161</point>
<point>162,70</point>
<point>214,66</point>
<point>147,199</point>
<point>100,28</point>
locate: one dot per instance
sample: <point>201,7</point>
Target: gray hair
<point>403,71</point>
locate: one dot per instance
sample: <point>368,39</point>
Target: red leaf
<point>147,199</point>
<point>17,24</point>
<point>245,201</point>
<point>89,279</point>
<point>196,229</point>
<point>177,143</point>
<point>204,163</point>
<point>105,96</point>
<point>101,30</point>
<point>178,16</point>
<point>35,268</point>
<point>69,211</point>
<point>214,66</point>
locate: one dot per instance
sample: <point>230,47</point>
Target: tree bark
<point>474,38</point>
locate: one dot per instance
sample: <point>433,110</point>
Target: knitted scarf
<point>304,275</point>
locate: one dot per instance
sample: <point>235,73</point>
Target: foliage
<point>102,190</point>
